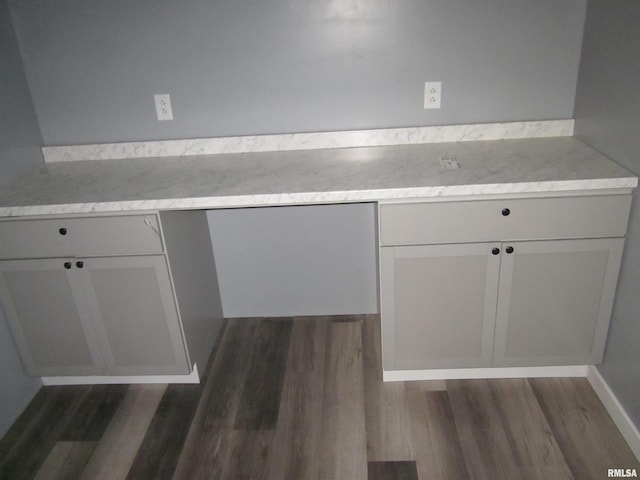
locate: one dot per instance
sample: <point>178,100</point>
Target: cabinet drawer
<point>92,236</point>
<point>490,220</point>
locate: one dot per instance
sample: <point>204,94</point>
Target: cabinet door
<point>555,301</point>
<point>133,307</point>
<point>45,307</point>
<point>438,305</point>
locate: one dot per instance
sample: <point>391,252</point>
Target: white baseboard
<point>619,416</point>
<point>470,373</point>
<point>193,377</point>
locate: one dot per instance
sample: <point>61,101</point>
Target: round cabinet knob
<point>495,250</point>
<point>505,212</point>
<point>80,264</point>
<point>62,231</point>
<point>509,250</point>
<point>67,265</point>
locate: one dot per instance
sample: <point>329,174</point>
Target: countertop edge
<point>306,198</point>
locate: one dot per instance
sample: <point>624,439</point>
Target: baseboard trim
<point>618,414</point>
<point>193,377</point>
<point>471,373</point>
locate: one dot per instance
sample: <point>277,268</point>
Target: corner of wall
<point>617,412</point>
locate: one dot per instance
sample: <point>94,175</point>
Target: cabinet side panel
<point>193,272</point>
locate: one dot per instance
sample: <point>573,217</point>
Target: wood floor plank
<point>222,391</point>
<point>589,440</point>
<point>405,470</point>
<point>437,446</point>
<point>387,417</point>
<point>532,442</point>
<point>55,408</point>
<point>344,448</point>
<point>66,461</point>
<point>205,448</point>
<point>298,430</point>
<point>426,386</point>
<point>485,445</point>
<point>248,453</point>
<point>260,400</point>
<point>94,413</point>
<point>116,450</point>
<point>28,417</point>
<point>162,445</point>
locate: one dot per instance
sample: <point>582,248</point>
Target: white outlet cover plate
<point>432,94</point>
<point>163,106</point>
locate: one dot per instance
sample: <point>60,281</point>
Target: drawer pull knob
<point>63,231</point>
<point>509,249</point>
<point>505,212</point>
<point>80,264</point>
<point>67,265</point>
<point>495,250</point>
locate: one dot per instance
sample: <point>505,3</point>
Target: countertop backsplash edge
<point>309,141</point>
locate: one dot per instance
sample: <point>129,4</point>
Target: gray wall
<point>281,66</point>
<point>607,115</point>
<point>20,139</point>
<point>285,261</point>
<point>19,150</point>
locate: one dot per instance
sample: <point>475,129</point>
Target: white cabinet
<point>450,298</point>
<point>124,312</point>
<point>555,300</point>
<point>135,315</point>
<point>48,314</point>
<point>438,305</point>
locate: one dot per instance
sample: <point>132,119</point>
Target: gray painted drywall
<point>20,143</point>
<point>277,66</point>
<point>305,260</point>
<point>607,116</point>
<point>20,139</point>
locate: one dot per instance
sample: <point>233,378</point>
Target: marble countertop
<point>330,175</point>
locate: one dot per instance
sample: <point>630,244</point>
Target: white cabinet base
<point>193,377</point>
<point>471,373</point>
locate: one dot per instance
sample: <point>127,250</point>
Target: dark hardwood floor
<point>303,398</point>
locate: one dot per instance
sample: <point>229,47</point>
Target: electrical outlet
<point>432,94</point>
<point>449,163</point>
<point>163,106</point>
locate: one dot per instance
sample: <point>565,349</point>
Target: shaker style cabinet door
<point>46,310</point>
<point>132,305</point>
<point>438,305</point>
<point>555,301</point>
